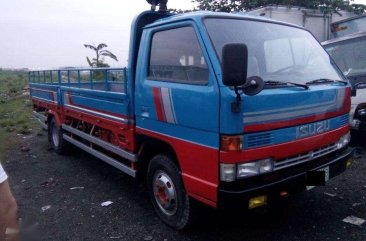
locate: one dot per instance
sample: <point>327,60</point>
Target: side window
<point>176,56</point>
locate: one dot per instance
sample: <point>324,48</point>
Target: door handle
<point>145,112</point>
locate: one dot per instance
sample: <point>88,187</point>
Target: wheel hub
<point>55,135</point>
<point>165,193</point>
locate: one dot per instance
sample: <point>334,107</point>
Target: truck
<point>221,109</point>
<point>356,24</point>
<point>349,53</point>
<point>323,25</point>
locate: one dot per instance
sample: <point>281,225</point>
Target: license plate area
<point>317,178</point>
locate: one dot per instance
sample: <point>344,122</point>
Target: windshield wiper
<point>324,81</point>
<point>276,82</point>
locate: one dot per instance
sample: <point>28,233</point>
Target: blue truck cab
<point>220,108</point>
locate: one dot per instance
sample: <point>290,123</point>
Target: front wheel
<point>167,192</point>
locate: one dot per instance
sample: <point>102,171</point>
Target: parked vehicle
<point>349,53</point>
<point>221,108</point>
<point>324,26</point>
<point>342,28</point>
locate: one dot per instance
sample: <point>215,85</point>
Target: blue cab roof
<point>197,16</point>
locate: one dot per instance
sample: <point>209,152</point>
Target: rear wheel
<point>167,193</point>
<point>55,138</point>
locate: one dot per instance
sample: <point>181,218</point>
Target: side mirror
<point>353,92</point>
<point>234,64</point>
<point>359,85</point>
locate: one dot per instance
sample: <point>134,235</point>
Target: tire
<point>55,138</point>
<point>167,193</point>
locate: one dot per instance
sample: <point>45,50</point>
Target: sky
<point>44,34</point>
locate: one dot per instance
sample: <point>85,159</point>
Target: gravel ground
<point>40,178</point>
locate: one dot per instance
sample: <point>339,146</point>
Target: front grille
<point>343,120</point>
<point>305,157</point>
<point>260,139</point>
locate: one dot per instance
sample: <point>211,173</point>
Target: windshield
<point>350,56</point>
<point>275,52</point>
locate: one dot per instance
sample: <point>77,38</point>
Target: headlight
<point>248,169</point>
<point>227,172</point>
<point>266,165</point>
<point>343,141</point>
<point>361,112</point>
<point>254,168</point>
<point>355,124</point>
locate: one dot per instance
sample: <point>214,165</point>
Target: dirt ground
<point>61,196</point>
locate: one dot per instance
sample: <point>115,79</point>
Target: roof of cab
<point>198,15</point>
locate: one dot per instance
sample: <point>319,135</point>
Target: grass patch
<point>12,84</point>
<point>15,110</point>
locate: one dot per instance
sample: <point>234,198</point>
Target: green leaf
<point>99,52</point>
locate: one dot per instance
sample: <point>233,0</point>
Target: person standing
<point>9,229</point>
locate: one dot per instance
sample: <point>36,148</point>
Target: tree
<point>98,61</point>
<point>359,8</point>
<point>240,5</point>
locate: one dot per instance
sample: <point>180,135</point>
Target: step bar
<point>111,161</point>
<point>41,119</point>
<point>106,145</point>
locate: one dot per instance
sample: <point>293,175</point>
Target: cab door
<point>177,100</point>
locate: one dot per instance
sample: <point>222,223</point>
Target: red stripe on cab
<point>159,104</point>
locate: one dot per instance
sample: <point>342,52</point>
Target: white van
<point>349,53</point>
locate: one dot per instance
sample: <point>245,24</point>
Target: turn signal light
<point>231,143</point>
